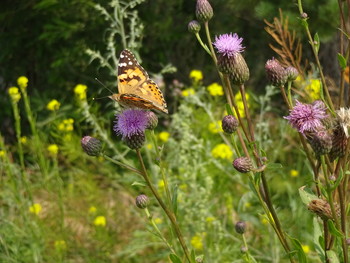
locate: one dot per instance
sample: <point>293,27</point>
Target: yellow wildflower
<point>215,89</point>
<point>80,91</point>
<point>22,82</point>
<point>161,184</point>
<point>66,125</point>
<point>210,219</point>
<point>240,105</point>
<point>35,209</point>
<point>222,151</point>
<point>52,149</point>
<point>294,173</point>
<point>183,187</point>
<point>60,245</point>
<point>164,136</point>
<point>100,221</point>
<point>197,241</point>
<point>305,248</point>
<point>247,204</point>
<point>314,89</point>
<point>23,139</point>
<point>215,127</point>
<point>158,220</point>
<point>53,105</point>
<point>196,75</point>
<point>264,220</point>
<point>92,210</point>
<point>14,94</point>
<point>188,92</point>
<point>2,153</point>
<point>149,146</point>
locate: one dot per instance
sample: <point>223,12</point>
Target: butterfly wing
<point>134,84</point>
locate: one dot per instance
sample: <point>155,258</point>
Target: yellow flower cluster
<point>80,91</point>
<point>196,75</point>
<point>100,221</point>
<point>215,89</point>
<point>92,210</point>
<point>22,82</point>
<point>313,89</point>
<point>222,151</point>
<point>188,92</point>
<point>240,105</point>
<point>197,241</point>
<point>164,136</point>
<point>14,94</point>
<point>215,127</point>
<point>305,248</point>
<point>66,125</point>
<point>52,149</point>
<point>60,245</point>
<point>53,105</point>
<point>294,173</point>
<point>23,139</point>
<point>35,209</point>
<point>2,153</point>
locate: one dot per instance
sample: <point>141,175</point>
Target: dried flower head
<point>343,119</point>
<point>307,117</point>
<point>322,208</point>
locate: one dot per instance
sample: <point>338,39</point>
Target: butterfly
<point>135,87</point>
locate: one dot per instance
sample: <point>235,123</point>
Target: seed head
<point>91,145</point>
<point>204,11</point>
<point>229,124</point>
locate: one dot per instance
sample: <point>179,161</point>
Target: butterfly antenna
<point>100,98</point>
<point>104,85</point>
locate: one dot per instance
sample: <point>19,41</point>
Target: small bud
<point>194,27</point>
<point>142,201</point>
<point>235,66</point>
<point>135,141</point>
<point>320,141</point>
<point>229,124</point>
<point>276,74</point>
<point>304,15</point>
<point>91,146</point>
<point>204,11</point>
<point>244,250</point>
<point>322,208</point>
<point>243,164</point>
<point>240,227</point>
<point>152,120</point>
<point>292,73</point>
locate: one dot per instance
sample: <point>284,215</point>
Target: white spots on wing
<point>122,56</point>
<point>122,65</point>
<point>130,63</point>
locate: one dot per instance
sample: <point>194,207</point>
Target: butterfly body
<point>135,88</point>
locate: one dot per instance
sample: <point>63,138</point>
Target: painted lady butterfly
<point>135,87</point>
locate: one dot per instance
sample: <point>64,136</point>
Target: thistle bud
<point>240,227</point>
<point>152,120</point>
<point>91,146</point>
<point>135,141</point>
<point>322,208</point>
<point>243,164</point>
<point>229,124</point>
<point>204,11</point>
<point>320,141</point>
<point>235,66</point>
<point>339,142</point>
<point>194,27</point>
<point>244,249</point>
<point>142,201</point>
<point>276,74</point>
<point>292,73</point>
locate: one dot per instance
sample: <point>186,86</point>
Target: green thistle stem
<point>150,218</point>
<point>167,211</point>
<point>130,168</point>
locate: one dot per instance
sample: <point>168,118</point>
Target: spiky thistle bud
<point>235,66</point>
<point>204,11</point>
<point>240,227</point>
<point>142,201</point>
<point>91,145</point>
<point>152,120</point>
<point>275,73</point>
<point>135,141</point>
<point>243,164</point>
<point>322,208</point>
<point>194,27</point>
<point>320,141</point>
<point>292,73</point>
<point>229,124</point>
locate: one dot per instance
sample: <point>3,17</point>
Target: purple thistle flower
<point>307,117</point>
<point>228,44</point>
<point>131,122</point>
